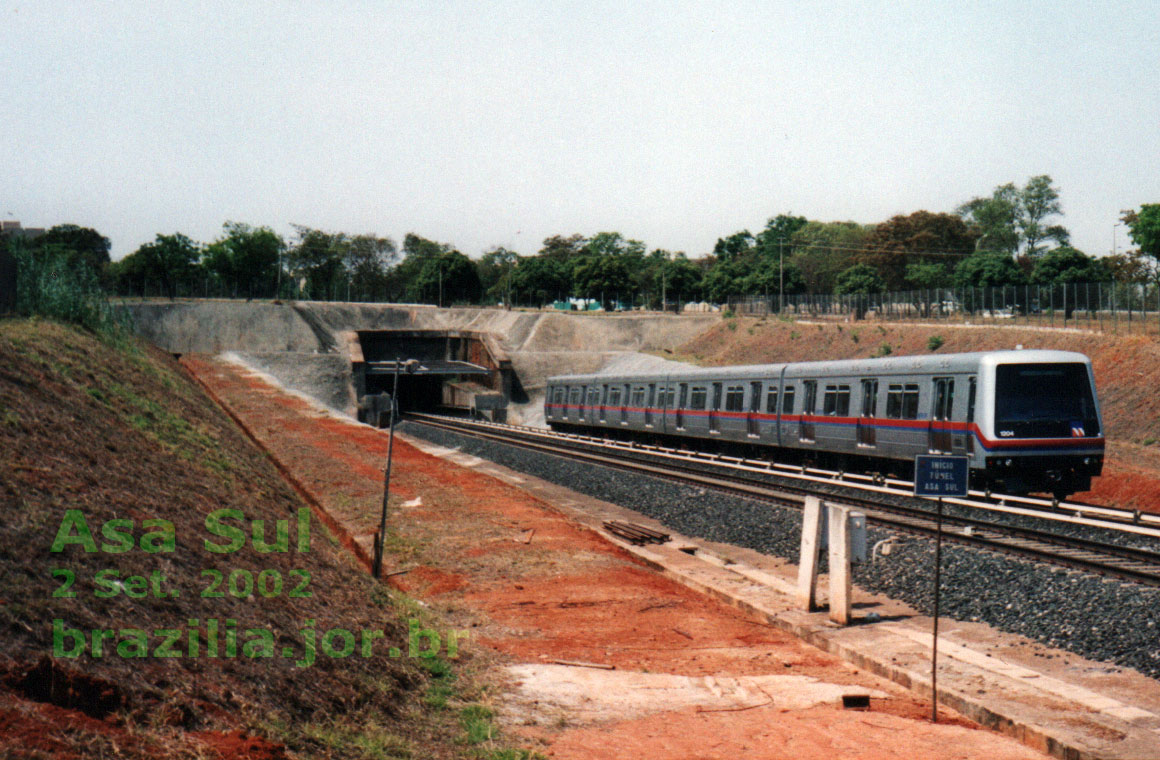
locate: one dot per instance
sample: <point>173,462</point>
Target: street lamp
<point>409,366</point>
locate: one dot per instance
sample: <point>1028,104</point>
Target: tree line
<point>1010,237</point>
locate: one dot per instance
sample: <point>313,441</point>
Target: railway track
<point>884,502</point>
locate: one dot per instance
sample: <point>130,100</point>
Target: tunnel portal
<point>451,371</point>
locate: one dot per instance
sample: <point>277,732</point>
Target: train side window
<point>700,394</point>
<point>869,397</point>
<point>971,383</point>
<point>910,401</point>
<point>574,396</point>
<point>771,400</point>
<point>811,396</point>
<point>558,398</point>
<point>944,398</point>
<point>894,402</point>
<point>638,396</point>
<point>836,401</point>
<point>787,400</point>
<point>593,396</point>
<point>614,396</point>
<point>735,398</point>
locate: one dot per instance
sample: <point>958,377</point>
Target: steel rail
<point>1126,563</point>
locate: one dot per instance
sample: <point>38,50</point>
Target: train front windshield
<point>1044,401</point>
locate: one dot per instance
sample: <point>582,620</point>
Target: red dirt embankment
<point>1126,369</point>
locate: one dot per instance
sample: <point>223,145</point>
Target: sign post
<point>939,476</point>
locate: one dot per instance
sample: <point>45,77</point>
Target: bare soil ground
<point>1127,368</point>
<point>532,588</point>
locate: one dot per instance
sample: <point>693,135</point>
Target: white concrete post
<point>807,585</point>
<point>839,564</point>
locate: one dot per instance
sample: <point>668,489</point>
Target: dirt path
<point>691,677</point>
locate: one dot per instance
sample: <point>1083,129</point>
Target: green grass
<point>53,283</point>
<point>368,740</point>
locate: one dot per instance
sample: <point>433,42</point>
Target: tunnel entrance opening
<point>451,372</point>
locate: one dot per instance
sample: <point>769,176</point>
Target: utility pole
<point>664,297</point>
<point>377,566</point>
<point>780,275</point>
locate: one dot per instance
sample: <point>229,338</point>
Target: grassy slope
<point>123,433</point>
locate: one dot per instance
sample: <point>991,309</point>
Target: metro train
<point>1029,420</point>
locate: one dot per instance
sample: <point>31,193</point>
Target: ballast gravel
<point>1097,618</point>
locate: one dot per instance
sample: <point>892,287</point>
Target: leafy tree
<point>678,279</point>
<point>919,238</point>
<point>562,248</point>
<point>318,258</point>
<point>1144,228</point>
<point>1130,267</point>
<point>1014,217</point>
<point>737,246</point>
<point>542,278</point>
<point>368,263</point>
<point>169,263</point>
<point>605,277</point>
<point>768,280</point>
<point>719,282</point>
<point>928,275</point>
<point>83,243</point>
<point>994,219</point>
<point>860,279</point>
<point>1066,265</point>
<point>1038,201</point>
<point>987,269</point>
<point>495,270</point>
<point>245,259</point>
<point>446,277</point>
<point>777,237</point>
<point>823,250</point>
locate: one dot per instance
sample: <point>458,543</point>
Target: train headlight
<point>1007,463</point>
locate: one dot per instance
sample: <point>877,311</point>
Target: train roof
<point>892,365</point>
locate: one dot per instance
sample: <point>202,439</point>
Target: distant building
<point>12,228</point>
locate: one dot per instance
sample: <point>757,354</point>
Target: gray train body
<point>1028,420</point>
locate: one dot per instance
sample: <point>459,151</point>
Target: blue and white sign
<point>941,475</point>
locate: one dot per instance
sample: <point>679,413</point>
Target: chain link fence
<point>1106,307</point>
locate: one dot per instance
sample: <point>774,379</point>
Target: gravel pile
<point>1096,618</point>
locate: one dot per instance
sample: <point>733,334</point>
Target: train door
<point>624,405</point>
<point>583,401</point>
<point>648,408</point>
<point>682,400</point>
<point>806,428</point>
<point>943,406</point>
<point>972,382</point>
<point>867,433</point>
<point>714,420</point>
<point>754,409</point>
<point>603,402</point>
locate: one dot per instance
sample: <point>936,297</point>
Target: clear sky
<point>501,123</point>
